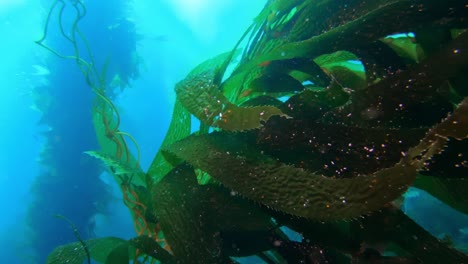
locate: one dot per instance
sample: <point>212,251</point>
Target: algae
<point>364,119</point>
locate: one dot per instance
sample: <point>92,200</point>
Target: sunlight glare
<point>202,16</point>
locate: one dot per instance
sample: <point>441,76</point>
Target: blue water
<point>175,37</point>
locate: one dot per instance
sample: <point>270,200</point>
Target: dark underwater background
<point>45,115</point>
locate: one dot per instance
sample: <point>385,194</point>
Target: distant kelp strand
<point>87,68</point>
<point>302,193</point>
<point>104,106</point>
<point>114,152</point>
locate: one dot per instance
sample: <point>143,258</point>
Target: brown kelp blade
<point>193,217</point>
<point>299,192</point>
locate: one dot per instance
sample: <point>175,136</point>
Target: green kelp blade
<point>109,250</point>
<point>367,27</point>
<point>246,170</point>
<point>309,68</point>
<point>405,47</point>
<point>335,58</point>
<point>178,129</point>
<point>120,255</point>
<point>117,166</point>
<point>74,253</point>
<point>216,64</point>
<point>275,83</point>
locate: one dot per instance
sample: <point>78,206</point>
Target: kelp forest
<point>317,120</point>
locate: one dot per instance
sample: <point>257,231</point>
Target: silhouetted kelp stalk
<point>80,9</point>
<point>328,161</point>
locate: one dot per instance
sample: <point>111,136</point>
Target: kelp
<point>335,150</point>
<point>118,167</point>
<point>313,104</point>
<point>106,119</point>
<point>405,47</point>
<point>178,129</point>
<point>453,158</point>
<point>109,250</point>
<point>74,253</point>
<point>392,226</point>
<point>347,77</point>
<point>201,96</point>
<point>368,27</point>
<point>389,227</point>
<point>206,224</point>
<point>333,121</point>
<point>194,216</point>
<point>400,98</point>
<point>199,93</point>
<point>298,192</point>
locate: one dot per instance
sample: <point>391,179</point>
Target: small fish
<point>245,93</point>
<point>40,70</point>
<point>265,63</point>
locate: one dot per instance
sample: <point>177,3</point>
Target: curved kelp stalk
<point>106,115</point>
<point>87,68</point>
<point>105,109</point>
<point>114,150</point>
